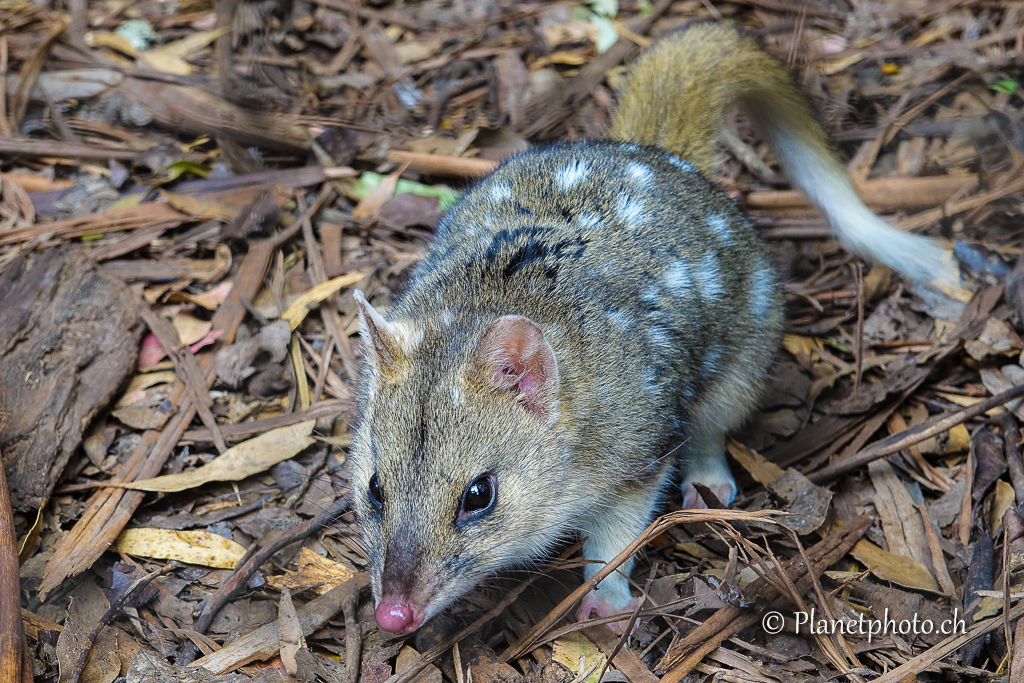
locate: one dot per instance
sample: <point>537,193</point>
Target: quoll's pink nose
<point>397,616</point>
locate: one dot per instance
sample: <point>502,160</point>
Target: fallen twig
<point>253,560</point>
<point>898,442</point>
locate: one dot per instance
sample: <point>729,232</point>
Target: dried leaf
<point>189,328</point>
<point>896,568</point>
<point>315,573</point>
<point>406,657</point>
<point>299,308</point>
<point>998,381</point>
<point>192,547</point>
<point>1002,500</point>
<point>998,338</point>
<point>241,461</point>
<point>290,633</point>
<point>575,652</point>
<point>88,605</point>
<point>376,197</point>
<point>762,470</point>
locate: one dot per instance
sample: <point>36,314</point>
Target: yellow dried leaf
<point>170,58</point>
<point>956,440</point>
<point>241,461</point>
<point>418,50</point>
<point>803,348</point>
<point>201,208</point>
<point>896,568</point>
<point>987,607</point>
<point>159,60</point>
<point>762,470</point>
<point>193,42</point>
<point>315,573</point>
<point>114,41</point>
<point>190,329</point>
<point>299,308</point>
<point>191,547</point>
<point>407,656</point>
<point>144,381</point>
<point>567,58</point>
<point>1002,500</point>
<point>575,652</point>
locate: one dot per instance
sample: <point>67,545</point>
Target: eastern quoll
<point>589,316</point>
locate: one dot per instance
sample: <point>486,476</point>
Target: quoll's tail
<point>677,94</point>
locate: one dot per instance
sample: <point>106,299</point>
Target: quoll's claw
<point>595,603</point>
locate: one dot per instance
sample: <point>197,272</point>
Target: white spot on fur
<point>456,396</point>
<point>500,192</point>
<point>720,227</point>
<point>762,285</point>
<point>660,336</point>
<point>677,277</point>
<point>620,319</point>
<point>652,296</point>
<point>709,277</point>
<point>684,166</point>
<point>640,172</point>
<point>446,317</point>
<point>588,220</point>
<point>630,209</point>
<point>572,174</point>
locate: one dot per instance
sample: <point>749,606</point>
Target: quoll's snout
<point>398,616</point>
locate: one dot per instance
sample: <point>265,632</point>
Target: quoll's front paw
<point>604,608</point>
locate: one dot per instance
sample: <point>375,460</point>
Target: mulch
<point>189,194</point>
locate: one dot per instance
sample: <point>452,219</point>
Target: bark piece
<point>69,336</point>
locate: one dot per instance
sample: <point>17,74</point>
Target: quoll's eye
<point>376,495</point>
<point>479,497</point>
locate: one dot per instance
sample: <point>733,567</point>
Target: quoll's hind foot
<point>705,463</point>
<point>604,608</point>
<point>725,491</point>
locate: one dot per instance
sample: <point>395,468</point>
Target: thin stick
<point>898,442</point>
<point>657,527</point>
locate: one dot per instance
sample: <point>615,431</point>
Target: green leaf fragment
<point>1006,85</point>
<point>179,168</point>
<point>370,180</point>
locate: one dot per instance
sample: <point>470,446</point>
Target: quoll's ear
<point>514,356</point>
<point>387,343</point>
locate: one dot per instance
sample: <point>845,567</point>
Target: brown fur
<point>751,79</point>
